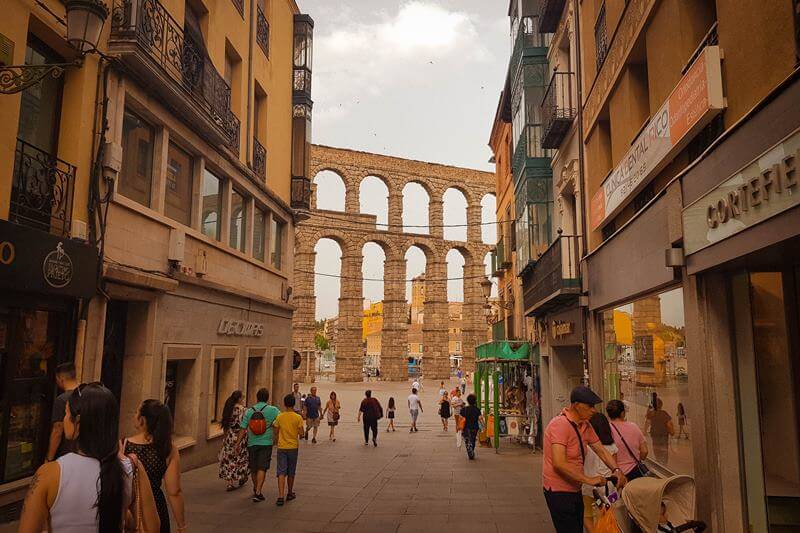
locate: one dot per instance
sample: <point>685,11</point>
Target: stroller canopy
<point>643,499</point>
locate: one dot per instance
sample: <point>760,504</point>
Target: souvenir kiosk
<point>507,386</point>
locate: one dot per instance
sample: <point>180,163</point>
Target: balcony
<point>153,46</point>
<point>41,191</point>
<point>301,193</point>
<point>529,37</point>
<point>529,157</point>
<point>259,159</point>
<point>501,259</point>
<point>558,109</point>
<point>554,280</point>
<point>262,31</point>
<point>550,13</point>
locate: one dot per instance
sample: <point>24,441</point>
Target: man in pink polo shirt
<point>564,455</point>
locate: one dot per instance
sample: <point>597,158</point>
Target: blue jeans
<point>470,434</point>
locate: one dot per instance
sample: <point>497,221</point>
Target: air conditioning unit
<point>79,230</point>
<point>201,263</point>
<point>177,245</point>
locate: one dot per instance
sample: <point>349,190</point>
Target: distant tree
<point>321,342</point>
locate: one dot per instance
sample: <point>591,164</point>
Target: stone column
<point>394,337</point>
<point>396,212</point>
<point>474,324</point>
<point>436,217</point>
<point>351,203</point>
<point>349,353</point>
<point>474,228</point>
<point>436,357</point>
<point>303,320</point>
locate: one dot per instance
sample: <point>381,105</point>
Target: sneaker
<point>260,497</point>
<point>313,441</point>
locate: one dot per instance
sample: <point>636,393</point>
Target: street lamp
<point>85,20</point>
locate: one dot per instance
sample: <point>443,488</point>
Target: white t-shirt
<point>442,392</point>
<point>413,402</point>
<point>416,385</point>
<point>594,466</point>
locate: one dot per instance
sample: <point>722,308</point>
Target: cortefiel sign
<point>690,106</point>
<point>764,188</point>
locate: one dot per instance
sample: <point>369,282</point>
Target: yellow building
<point>372,321</point>
<point>182,159</point>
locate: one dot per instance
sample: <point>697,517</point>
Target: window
<point>238,221</point>
<point>136,174</point>
<point>646,367</point>
<point>276,243</point>
<point>600,37</point>
<point>259,236</point>
<point>178,195</point>
<point>212,205</point>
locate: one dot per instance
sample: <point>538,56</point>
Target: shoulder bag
<point>640,466</point>
<point>578,434</point>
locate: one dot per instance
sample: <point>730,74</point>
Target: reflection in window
<point>238,221</point>
<point>178,195</point>
<point>212,204</point>
<point>259,225</point>
<point>276,243</point>
<point>135,177</point>
<point>646,366</point>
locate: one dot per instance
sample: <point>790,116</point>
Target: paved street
<point>411,482</point>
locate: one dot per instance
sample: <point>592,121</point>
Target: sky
<point>418,79</point>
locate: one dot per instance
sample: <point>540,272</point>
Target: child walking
<point>290,429</point>
<point>390,415</point>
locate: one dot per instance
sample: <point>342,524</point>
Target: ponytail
<point>98,437</point>
<point>158,422</point>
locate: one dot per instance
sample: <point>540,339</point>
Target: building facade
<point>688,122</point>
<point>188,185</point>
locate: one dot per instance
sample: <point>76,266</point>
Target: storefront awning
<point>504,350</point>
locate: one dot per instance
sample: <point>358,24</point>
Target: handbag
<point>640,466</point>
<point>461,423</point>
<point>136,493</point>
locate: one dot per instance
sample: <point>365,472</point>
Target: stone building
<point>351,230</point>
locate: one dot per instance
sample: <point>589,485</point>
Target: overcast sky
<point>418,79</point>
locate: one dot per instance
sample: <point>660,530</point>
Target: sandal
<point>291,496</point>
<point>279,502</point>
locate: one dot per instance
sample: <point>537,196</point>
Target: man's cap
<point>583,394</point>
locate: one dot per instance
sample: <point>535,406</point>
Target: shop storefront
<point>562,368</point>
<point>43,280</point>
<point>742,243</point>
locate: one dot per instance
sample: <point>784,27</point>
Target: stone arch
<point>364,207</point>
<point>455,208</point>
<point>342,177</point>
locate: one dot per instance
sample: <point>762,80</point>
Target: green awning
<point>506,350</point>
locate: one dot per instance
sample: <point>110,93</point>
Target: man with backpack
<point>372,412</point>
<point>257,426</point>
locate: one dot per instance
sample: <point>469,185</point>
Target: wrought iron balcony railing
<point>601,37</point>
<point>528,36</point>
<point>239,5</point>
<point>42,190</point>
<point>555,278</point>
<point>262,31</point>
<point>550,13</point>
<point>301,192</point>
<point>558,109</point>
<point>146,27</point>
<point>259,159</point>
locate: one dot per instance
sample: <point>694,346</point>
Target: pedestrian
<point>457,404</point>
<point>416,384</point>
<point>372,412</point>
<point>661,429</point>
<point>333,410</point>
<point>444,410</point>
<point>593,466</point>
<point>313,412</point>
<point>472,424</point>
<point>682,422</point>
<point>289,426</point>
<point>459,373</point>
<point>414,408</point>
<point>234,465</point>
<point>152,445</point>
<point>66,382</point>
<point>390,410</point>
<point>298,398</point>
<point>630,441</point>
<point>257,427</point>
<point>463,381</point>
<point>91,489</point>
<point>565,440</point>
<point>442,390</point>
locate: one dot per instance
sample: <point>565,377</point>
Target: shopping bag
<point>607,522</point>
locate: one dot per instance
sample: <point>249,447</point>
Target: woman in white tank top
<point>65,494</point>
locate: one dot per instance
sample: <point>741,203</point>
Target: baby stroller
<point>643,499</point>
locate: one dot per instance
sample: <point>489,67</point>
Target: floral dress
<point>233,466</point>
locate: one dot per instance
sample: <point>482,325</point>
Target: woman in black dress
<point>152,445</point>
<point>444,410</point>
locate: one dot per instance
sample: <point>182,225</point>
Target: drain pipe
<point>248,142</point>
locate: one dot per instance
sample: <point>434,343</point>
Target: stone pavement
<point>411,482</point>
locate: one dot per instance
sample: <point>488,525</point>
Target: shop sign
<point>762,189</point>
<point>561,329</point>
<point>239,328</point>
<point>564,329</point>
<point>692,104</point>
<point>35,261</point>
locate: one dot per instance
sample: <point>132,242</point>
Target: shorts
<point>312,422</point>
<point>414,415</point>
<point>287,462</point>
<point>259,457</point>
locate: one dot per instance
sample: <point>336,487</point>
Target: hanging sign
<point>688,109</point>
